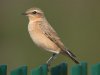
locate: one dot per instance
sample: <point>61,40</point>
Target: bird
<point>44,35</point>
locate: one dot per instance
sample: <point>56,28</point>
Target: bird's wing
<point>51,34</point>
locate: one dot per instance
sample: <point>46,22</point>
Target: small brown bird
<point>45,36</point>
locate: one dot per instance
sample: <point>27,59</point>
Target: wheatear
<point>45,36</point>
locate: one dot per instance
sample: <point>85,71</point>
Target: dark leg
<point>50,60</point>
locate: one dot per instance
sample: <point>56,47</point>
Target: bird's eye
<point>34,12</point>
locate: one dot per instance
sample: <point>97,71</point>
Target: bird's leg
<point>50,60</point>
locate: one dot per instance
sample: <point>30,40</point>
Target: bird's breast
<point>40,39</point>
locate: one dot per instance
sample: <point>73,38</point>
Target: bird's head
<point>34,13</point>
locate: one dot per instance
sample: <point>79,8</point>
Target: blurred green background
<point>76,21</point>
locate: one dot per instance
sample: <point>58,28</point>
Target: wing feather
<point>49,32</point>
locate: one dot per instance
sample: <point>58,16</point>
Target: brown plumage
<point>44,35</point>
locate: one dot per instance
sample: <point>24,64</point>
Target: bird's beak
<point>24,13</point>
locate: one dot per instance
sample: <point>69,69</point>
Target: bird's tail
<point>71,55</point>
